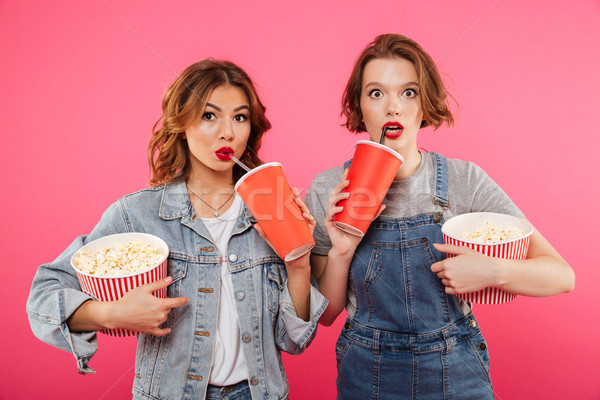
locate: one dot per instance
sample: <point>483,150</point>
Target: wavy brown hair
<point>183,105</point>
<point>433,93</point>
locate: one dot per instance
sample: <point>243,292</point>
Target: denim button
<point>472,324</point>
<point>246,338</point>
<point>233,257</point>
<point>482,346</point>
<point>254,381</point>
<point>240,296</point>
<point>347,325</point>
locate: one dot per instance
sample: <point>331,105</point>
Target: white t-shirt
<point>228,364</point>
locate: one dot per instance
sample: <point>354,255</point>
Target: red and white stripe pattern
<point>111,288</point>
<point>514,250</point>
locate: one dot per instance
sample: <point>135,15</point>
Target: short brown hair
<point>432,90</point>
<point>183,104</point>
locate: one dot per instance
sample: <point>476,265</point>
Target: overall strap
<point>440,197</point>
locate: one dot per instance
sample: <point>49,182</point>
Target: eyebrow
<point>379,84</point>
<point>242,107</point>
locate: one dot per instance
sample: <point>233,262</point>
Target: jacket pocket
<point>177,269</point>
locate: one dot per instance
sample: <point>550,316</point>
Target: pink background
<point>81,84</point>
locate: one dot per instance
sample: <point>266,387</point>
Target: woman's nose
<point>227,132</point>
<point>394,107</point>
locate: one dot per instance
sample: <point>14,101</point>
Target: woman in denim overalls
<point>407,335</point>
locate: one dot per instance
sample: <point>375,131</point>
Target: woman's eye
<point>375,94</point>
<point>410,93</point>
<point>208,116</point>
<point>241,118</point>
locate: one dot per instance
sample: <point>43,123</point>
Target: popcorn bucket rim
<point>132,234</point>
<point>484,214</point>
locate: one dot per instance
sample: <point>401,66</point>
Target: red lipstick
<point>393,129</point>
<point>223,153</point>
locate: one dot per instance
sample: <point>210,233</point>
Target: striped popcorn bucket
<point>454,230</point>
<point>111,288</point>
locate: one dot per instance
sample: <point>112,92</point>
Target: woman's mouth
<point>393,130</point>
<point>224,153</point>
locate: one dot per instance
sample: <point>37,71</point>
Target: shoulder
<point>146,193</point>
<point>144,197</point>
<point>463,170</point>
<point>137,201</point>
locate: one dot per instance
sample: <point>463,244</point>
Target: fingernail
<point>168,279</point>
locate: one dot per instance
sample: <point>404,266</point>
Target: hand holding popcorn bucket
<point>111,284</point>
<point>480,232</point>
<point>371,174</point>
<point>266,192</point>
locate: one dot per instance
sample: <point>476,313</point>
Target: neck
<point>412,161</point>
<point>209,181</point>
<point>211,192</point>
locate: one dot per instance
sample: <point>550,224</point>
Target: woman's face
<point>223,129</point>
<point>390,98</point>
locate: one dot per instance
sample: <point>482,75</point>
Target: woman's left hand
<point>468,271</point>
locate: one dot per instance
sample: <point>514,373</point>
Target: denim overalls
<point>408,339</point>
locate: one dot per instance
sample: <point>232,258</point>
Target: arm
<point>137,310</point>
<point>331,271</point>
<point>543,273</point>
<point>59,312</point>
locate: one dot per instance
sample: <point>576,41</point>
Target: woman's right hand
<point>342,243</point>
<point>140,310</point>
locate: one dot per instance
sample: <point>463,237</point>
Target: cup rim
<point>133,234</point>
<point>528,232</point>
<point>255,170</point>
<point>382,147</point>
<point>348,228</point>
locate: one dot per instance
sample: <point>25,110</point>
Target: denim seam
<point>376,373</point>
<point>444,374</point>
<point>415,375</point>
<point>125,216</point>
<point>144,395</point>
<point>407,285</point>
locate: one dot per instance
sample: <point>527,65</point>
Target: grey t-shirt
<point>470,189</point>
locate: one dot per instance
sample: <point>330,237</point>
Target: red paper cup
<point>269,197</point>
<point>454,230</point>
<point>111,288</point>
<point>371,173</point>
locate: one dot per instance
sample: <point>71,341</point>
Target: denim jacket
<point>178,365</point>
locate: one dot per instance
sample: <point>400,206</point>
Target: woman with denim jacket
<point>232,303</point>
<point>407,336</point>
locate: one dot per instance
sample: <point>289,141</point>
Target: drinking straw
<point>238,162</point>
<point>382,135</point>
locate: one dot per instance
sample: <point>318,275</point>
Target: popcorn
<point>126,259</point>
<point>489,233</point>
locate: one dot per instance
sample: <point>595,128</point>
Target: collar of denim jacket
<point>175,203</point>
